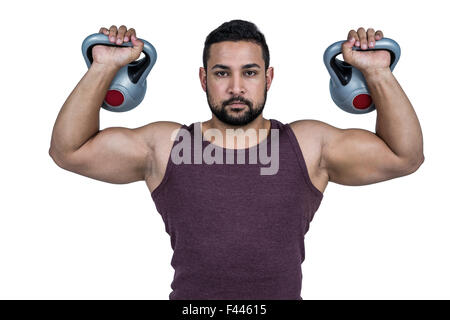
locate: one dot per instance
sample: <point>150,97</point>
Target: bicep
<point>115,155</point>
<point>358,157</point>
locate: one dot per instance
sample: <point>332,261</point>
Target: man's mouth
<point>237,104</point>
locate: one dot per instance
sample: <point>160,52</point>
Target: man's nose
<point>236,84</point>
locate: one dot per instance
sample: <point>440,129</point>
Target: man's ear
<point>202,76</point>
<point>269,77</point>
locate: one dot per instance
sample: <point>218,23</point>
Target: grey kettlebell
<point>127,89</point>
<point>348,88</point>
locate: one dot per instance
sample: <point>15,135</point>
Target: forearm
<point>397,123</point>
<point>78,119</point>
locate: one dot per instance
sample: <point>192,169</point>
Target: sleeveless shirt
<point>237,234</point>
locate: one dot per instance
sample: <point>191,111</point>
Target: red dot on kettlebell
<point>362,101</point>
<point>114,98</point>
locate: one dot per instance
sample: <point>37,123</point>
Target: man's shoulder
<point>310,136</point>
<point>162,125</point>
<point>159,133</point>
<point>311,124</point>
<point>309,129</point>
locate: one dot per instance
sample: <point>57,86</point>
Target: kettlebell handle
<point>137,70</point>
<point>340,71</point>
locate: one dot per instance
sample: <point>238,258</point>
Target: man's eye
<point>248,73</point>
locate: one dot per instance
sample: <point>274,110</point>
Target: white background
<point>65,236</point>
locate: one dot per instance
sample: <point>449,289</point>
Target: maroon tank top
<point>237,234</point>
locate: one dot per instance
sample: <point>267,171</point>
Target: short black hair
<point>237,30</point>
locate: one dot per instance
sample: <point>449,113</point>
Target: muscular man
<point>237,233</point>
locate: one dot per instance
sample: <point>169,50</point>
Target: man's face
<point>236,83</point>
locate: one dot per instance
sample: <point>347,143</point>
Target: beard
<point>225,114</point>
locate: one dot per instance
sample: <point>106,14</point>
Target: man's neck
<point>244,136</point>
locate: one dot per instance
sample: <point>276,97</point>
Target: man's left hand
<point>365,61</point>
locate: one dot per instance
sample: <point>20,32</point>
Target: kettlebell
<point>127,89</point>
<point>348,87</point>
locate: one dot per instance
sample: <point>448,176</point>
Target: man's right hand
<point>114,154</point>
<point>118,57</point>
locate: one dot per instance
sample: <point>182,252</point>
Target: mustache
<point>236,100</point>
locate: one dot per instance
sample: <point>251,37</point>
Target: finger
<point>347,48</point>
<point>136,42</point>
<point>378,35</point>
<point>371,37</point>
<point>120,34</point>
<point>112,33</point>
<point>362,37</point>
<point>128,34</point>
<point>104,30</point>
<point>137,48</point>
<point>352,34</point>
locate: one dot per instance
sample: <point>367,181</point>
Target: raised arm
<point>360,157</point>
<point>115,155</point>
<point>356,156</point>
<point>119,155</point>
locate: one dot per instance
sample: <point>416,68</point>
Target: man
<point>236,232</point>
